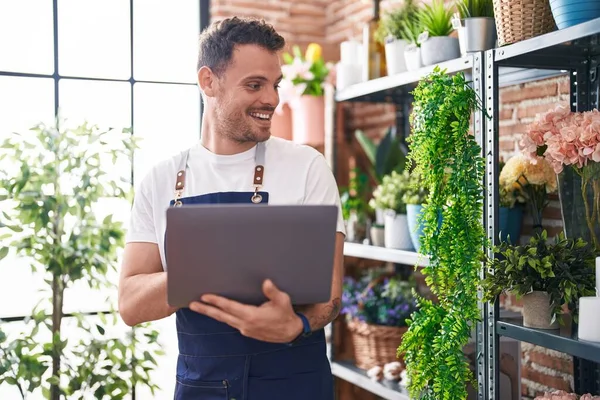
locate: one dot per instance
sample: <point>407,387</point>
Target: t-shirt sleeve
<point>321,188</point>
<point>141,221</point>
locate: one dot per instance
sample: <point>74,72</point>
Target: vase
<point>510,222</point>
<point>579,194</point>
<point>438,49</point>
<point>281,123</point>
<point>394,56</point>
<point>537,312</point>
<point>396,233</point>
<point>413,213</point>
<point>308,120</point>
<point>567,13</point>
<point>412,57</point>
<point>377,235</point>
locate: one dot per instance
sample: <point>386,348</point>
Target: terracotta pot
<point>281,123</point>
<point>537,312</point>
<point>308,120</point>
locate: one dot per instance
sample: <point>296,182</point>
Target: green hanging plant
<point>450,163</point>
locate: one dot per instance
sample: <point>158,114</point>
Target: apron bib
<point>216,362</point>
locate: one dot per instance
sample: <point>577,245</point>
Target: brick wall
<point>330,22</point>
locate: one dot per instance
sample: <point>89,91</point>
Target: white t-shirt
<point>294,174</point>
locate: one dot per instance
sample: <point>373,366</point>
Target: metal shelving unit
<point>574,51</point>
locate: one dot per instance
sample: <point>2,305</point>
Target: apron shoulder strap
<point>180,179</point>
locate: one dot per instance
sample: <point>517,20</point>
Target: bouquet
<point>527,180</point>
<point>390,193</point>
<point>304,74</point>
<point>389,302</point>
<point>571,139</point>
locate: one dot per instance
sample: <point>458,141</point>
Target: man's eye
<point>254,86</point>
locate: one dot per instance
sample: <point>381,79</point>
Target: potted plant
<point>393,33</point>
<point>436,44</point>
<point>546,275</point>
<point>354,206</point>
<point>308,73</point>
<point>414,197</point>
<point>570,142</point>
<point>386,156</point>
<point>527,181</point>
<point>412,53</point>
<point>450,162</point>
<point>376,308</point>
<point>477,26</point>
<point>50,195</point>
<point>388,195</point>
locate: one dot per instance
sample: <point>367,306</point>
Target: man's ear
<point>207,81</point>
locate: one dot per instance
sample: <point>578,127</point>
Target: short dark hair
<point>217,42</point>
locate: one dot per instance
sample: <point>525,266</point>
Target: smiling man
<point>230,350</point>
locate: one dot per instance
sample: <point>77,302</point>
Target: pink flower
<point>595,156</point>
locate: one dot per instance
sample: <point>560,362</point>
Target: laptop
<point>230,249</point>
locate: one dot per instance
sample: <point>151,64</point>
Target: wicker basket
<point>518,20</point>
<point>374,345</point>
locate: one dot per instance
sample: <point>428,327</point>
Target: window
<point>112,63</point>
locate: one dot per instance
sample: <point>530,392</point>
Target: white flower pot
<point>438,49</point>
<point>397,234</point>
<point>394,56</point>
<point>380,216</point>
<point>412,57</point>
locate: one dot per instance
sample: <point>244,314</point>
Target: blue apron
<point>216,362</point>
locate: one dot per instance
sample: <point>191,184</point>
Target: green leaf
<point>3,252</point>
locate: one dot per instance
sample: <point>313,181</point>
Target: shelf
<point>559,49</point>
<point>384,254</point>
<point>358,377</point>
<point>509,76</point>
<point>560,340</point>
<point>386,88</point>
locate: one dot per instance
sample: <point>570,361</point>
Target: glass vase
<point>579,193</point>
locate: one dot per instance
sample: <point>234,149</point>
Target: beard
<point>238,126</point>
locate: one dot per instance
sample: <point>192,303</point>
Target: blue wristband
<point>306,331</point>
<point>305,324</point>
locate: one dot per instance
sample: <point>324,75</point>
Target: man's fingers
<point>273,293</point>
<point>216,313</point>
<point>229,306</point>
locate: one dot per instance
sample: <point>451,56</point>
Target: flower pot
<point>477,34</point>
<point>511,220</point>
<point>397,235</point>
<point>438,49</point>
<point>308,120</point>
<point>377,235</point>
<point>281,123</point>
<point>537,312</point>
<point>567,13</point>
<point>394,56</point>
<point>579,205</point>
<point>412,57</point>
<point>380,216</point>
<point>413,212</point>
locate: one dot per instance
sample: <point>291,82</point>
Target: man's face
<point>247,94</point>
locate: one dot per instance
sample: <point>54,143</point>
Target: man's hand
<point>273,321</point>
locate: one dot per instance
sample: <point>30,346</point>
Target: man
<point>230,350</point>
